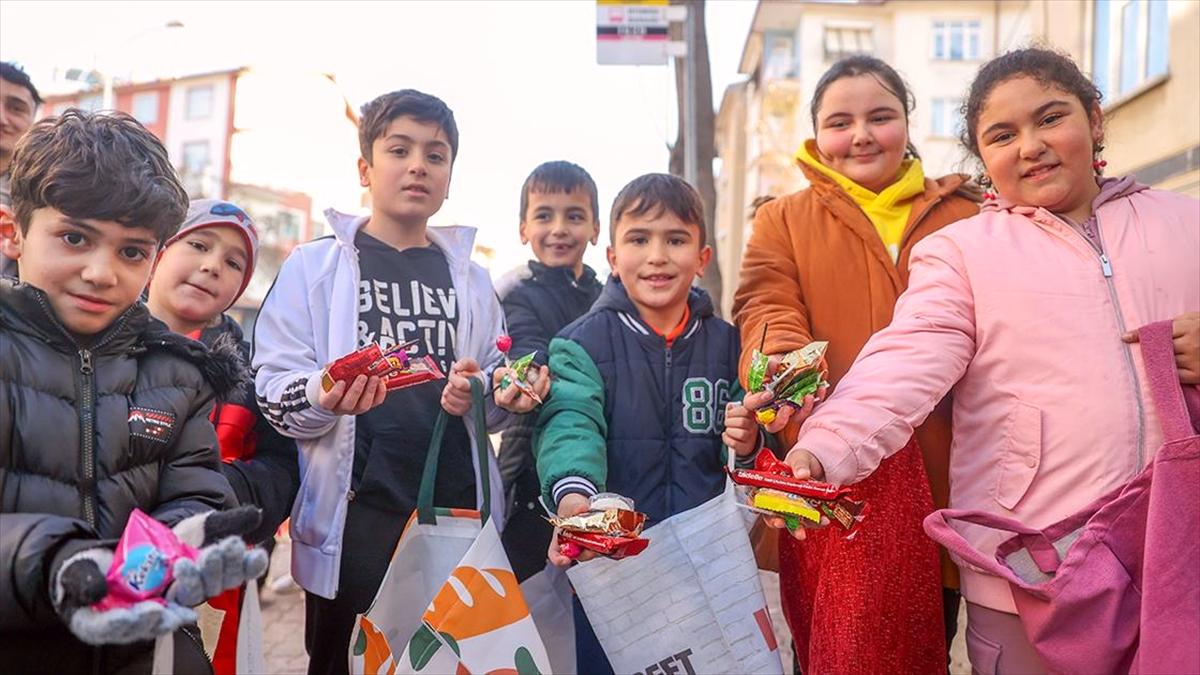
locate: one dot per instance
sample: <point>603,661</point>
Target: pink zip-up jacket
<point>1019,315</point>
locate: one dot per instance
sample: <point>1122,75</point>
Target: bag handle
<point>1158,353</point>
<point>425,509</point>
<point>937,526</point>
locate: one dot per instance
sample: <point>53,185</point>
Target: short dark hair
<point>559,176</point>
<point>658,193</point>
<point>11,72</point>
<point>1047,66</point>
<point>885,75</point>
<point>379,113</point>
<point>102,166</point>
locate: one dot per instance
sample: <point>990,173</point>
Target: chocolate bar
<point>612,547</point>
<point>394,366</point>
<point>772,475</point>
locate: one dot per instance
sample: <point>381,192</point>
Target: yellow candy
<point>765,416</point>
<point>781,502</point>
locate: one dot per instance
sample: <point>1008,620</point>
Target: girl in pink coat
<point>1021,314</point>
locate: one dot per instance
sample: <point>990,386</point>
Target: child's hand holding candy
<point>571,505</point>
<point>508,393</point>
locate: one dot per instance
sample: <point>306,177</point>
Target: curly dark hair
<point>861,64</point>
<point>1047,66</point>
<point>380,111</point>
<point>101,166</point>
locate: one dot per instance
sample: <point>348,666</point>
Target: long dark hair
<point>885,75</point>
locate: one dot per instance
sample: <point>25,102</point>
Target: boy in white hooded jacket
<point>386,278</point>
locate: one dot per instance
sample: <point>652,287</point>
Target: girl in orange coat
<point>828,263</point>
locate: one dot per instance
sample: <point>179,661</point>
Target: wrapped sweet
<point>518,371</point>
<point>799,375</point>
<point>394,366</point>
<point>776,492</point>
<point>609,527</point>
<point>143,564</point>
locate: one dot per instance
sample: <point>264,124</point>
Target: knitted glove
<point>80,583</point>
<point>223,562</point>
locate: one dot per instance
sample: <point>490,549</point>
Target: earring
<point>985,182</point>
<point>1097,163</point>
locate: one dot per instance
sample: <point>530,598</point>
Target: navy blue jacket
<point>630,415</point>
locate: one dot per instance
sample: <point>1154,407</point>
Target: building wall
<point>185,133</point>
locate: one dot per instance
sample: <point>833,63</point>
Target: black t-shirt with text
<point>408,295</point>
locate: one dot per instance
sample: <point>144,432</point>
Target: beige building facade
<point>1145,55</point>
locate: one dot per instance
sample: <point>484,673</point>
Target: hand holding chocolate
<point>397,369</point>
<point>776,492</point>
<point>798,376</point>
<point>610,527</point>
<point>518,371</point>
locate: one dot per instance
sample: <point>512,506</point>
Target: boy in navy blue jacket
<point>641,399</point>
<point>559,218</point>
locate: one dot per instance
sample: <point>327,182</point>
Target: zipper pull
<point>1105,266</point>
<point>85,362</point>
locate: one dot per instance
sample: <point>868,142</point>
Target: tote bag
<point>1114,588</point>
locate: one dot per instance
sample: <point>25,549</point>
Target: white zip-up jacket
<point>309,319</point>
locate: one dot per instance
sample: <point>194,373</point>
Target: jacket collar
<point>26,309</point>
<point>562,275</point>
<point>827,188</point>
<point>615,298</point>
<point>1111,189</point>
<point>456,242</point>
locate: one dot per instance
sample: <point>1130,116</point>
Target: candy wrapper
<point>394,365</point>
<point>611,528</point>
<point>798,376</point>
<point>518,370</point>
<point>775,491</point>
<point>143,564</point>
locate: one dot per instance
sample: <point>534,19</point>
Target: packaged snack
<point>775,491</point>
<point>798,376</point>
<point>397,369</point>
<point>143,564</point>
<point>609,527</point>
<point>518,370</point>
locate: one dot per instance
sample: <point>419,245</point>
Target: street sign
<point>632,32</point>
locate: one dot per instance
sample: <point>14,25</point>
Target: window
<point>194,167</point>
<point>945,119</point>
<point>199,102</point>
<point>956,40</point>
<point>145,107</point>
<point>91,103</point>
<point>780,56</point>
<point>843,40</point>
<point>1130,44</point>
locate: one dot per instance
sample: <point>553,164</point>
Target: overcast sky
<point>521,77</point>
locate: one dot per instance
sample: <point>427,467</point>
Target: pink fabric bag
<point>1114,588</point>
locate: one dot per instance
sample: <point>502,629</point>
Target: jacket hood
<point>557,276</point>
<point>25,309</point>
<point>456,242</point>
<point>227,326</point>
<point>824,184</point>
<point>615,298</point>
<point>1111,189</point>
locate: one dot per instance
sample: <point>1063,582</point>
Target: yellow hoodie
<point>888,211</point>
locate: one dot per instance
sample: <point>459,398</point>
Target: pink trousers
<point>996,644</point>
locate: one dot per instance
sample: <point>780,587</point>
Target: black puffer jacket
<point>86,435</point>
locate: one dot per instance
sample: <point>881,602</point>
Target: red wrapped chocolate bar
<point>770,473</point>
<point>394,366</point>
<point>611,528</point>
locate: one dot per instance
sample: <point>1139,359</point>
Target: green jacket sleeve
<point>570,440</point>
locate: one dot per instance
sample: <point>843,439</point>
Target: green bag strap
<point>425,510</point>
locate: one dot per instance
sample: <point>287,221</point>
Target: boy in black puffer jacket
<point>559,217</point>
<point>102,408</point>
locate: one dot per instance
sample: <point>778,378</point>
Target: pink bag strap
<point>1158,353</point>
<point>937,526</point>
